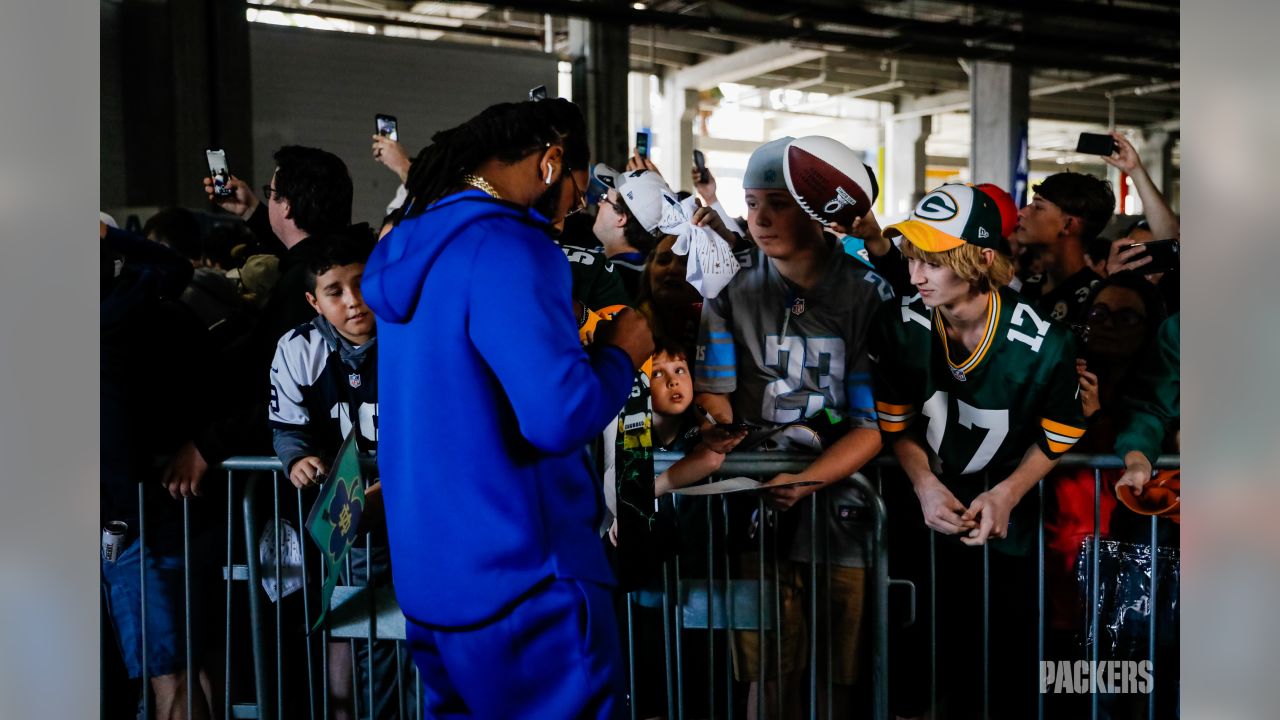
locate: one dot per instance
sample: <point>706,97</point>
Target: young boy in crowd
<point>973,382</point>
<point>786,342</point>
<point>674,428</point>
<point>324,384</point>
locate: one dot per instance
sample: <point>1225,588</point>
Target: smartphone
<point>1095,144</point>
<point>219,172</point>
<point>386,125</point>
<point>1163,253</point>
<point>700,162</point>
<point>642,144</point>
<point>737,426</point>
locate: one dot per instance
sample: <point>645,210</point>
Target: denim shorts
<point>166,648</point>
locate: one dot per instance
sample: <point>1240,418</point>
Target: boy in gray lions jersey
<point>786,343</point>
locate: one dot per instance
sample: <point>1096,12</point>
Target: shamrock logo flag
<point>335,517</point>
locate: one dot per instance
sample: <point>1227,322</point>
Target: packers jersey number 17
<point>1016,389</point>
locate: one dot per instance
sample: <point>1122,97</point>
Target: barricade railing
<point>722,608</point>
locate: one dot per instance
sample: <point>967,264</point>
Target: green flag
<point>335,517</point>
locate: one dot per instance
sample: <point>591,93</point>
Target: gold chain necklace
<point>482,185</point>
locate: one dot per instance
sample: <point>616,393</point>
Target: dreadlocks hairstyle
<point>509,132</point>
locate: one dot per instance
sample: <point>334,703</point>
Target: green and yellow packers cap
<point>950,216</point>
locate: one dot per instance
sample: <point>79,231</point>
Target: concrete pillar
<point>600,55</point>
<point>185,76</point>
<point>1000,104</point>
<point>1156,151</point>
<point>640,114</point>
<point>904,181</point>
<point>675,131</point>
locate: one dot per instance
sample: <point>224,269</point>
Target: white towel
<point>711,264</point>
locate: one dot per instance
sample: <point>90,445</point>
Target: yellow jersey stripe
<point>894,409</point>
<point>989,339</point>
<point>993,320</point>
<point>1061,429</point>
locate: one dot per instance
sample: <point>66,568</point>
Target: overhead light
<point>638,6</point>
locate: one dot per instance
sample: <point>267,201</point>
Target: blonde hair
<point>967,262</point>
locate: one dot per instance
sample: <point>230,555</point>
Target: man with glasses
<point>628,235</point>
<point>309,194</point>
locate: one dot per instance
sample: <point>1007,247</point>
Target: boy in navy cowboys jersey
<point>324,376</point>
<point>976,393</point>
<point>786,342</point>
<point>324,383</point>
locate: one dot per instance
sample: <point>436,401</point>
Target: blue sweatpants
<point>555,655</point>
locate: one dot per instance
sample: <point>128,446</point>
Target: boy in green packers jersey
<point>977,395</point>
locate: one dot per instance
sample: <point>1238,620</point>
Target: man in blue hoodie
<point>488,404</point>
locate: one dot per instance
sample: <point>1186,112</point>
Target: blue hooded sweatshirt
<point>487,403</point>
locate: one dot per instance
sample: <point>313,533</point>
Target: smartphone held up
<point>1095,144</point>
<point>386,126</point>
<point>219,172</point>
<point>700,164</point>
<point>642,144</point>
<point>1163,254</point>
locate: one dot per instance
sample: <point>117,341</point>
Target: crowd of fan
<point>241,330</point>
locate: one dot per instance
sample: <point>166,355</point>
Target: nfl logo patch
<point>958,374</point>
<point>797,307</point>
<point>354,379</point>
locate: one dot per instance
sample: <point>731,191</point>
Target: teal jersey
<point>1018,388</point>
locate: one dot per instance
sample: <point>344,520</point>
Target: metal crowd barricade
<point>718,606</point>
<point>365,613</point>
<point>699,601</point>
<point>1097,463</point>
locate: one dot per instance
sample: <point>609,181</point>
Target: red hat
<point>1008,208</point>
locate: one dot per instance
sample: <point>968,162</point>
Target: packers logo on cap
<point>937,206</point>
<point>949,217</point>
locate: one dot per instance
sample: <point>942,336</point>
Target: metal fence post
<point>1151,636</point>
<point>1040,614</point>
<point>226,676</point>
<point>186,598</point>
<point>813,607</point>
<point>142,580</point>
<point>265,707</point>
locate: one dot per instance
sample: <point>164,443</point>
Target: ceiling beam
<point>840,38</point>
<point>745,63</point>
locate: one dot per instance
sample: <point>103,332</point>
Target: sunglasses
<point>582,195</point>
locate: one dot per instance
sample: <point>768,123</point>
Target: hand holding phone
<point>386,126</point>
<point>1096,144</point>
<point>700,164</point>
<point>219,173</point>
<point>642,144</point>
<point>1163,254</point>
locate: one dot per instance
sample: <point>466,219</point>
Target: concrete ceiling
<point>1078,51</point>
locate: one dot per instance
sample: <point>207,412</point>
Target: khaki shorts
<point>848,591</point>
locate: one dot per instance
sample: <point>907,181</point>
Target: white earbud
<point>547,179</point>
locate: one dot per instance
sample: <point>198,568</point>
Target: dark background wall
<point>323,88</point>
<point>178,76</point>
